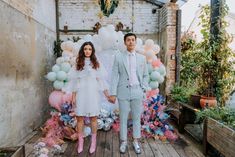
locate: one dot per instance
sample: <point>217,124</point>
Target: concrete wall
<point>27,31</point>
<point>134,14</point>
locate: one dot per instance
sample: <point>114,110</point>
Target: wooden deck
<point>108,146</point>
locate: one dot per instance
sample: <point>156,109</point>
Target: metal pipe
<point>178,45</point>
<point>57,20</point>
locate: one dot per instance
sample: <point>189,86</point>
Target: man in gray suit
<point>129,81</point>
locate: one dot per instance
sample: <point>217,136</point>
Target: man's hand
<point>112,99</point>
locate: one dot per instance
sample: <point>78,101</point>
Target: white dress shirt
<point>131,62</point>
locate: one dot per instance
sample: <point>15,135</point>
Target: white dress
<point>88,84</point>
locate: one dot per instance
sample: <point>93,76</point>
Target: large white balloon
<point>51,76</point>
<point>61,75</point>
<point>56,68</point>
<point>58,84</point>
<point>65,67</point>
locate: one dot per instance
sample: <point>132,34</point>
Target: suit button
<point>128,79</point>
<point>126,86</point>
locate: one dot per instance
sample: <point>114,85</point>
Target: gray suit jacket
<point>120,76</point>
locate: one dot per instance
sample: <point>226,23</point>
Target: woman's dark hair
<point>80,60</point>
<point>129,34</point>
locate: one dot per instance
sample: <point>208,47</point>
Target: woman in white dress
<point>88,78</point>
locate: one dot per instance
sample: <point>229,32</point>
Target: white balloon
<point>156,49</point>
<point>87,37</point>
<point>110,28</point>
<point>65,67</point>
<point>66,54</point>
<point>149,43</point>
<point>51,76</point>
<point>59,60</point>
<point>69,45</point>
<point>63,46</point>
<point>56,68</point>
<point>61,75</point>
<point>58,84</point>
<point>86,131</point>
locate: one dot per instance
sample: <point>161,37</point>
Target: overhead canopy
<point>162,2</point>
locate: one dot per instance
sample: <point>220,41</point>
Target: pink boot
<point>93,143</point>
<point>80,143</point>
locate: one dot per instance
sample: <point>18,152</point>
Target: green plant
<point>189,60</point>
<point>181,93</point>
<point>224,115</point>
<point>57,49</point>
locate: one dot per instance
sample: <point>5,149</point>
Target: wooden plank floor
<point>108,146</point>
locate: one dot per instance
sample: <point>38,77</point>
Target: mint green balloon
<point>61,75</point>
<point>154,75</point>
<point>162,70</point>
<point>65,67</point>
<point>160,79</point>
<point>59,60</point>
<point>51,76</point>
<point>153,84</point>
<point>58,84</point>
<point>56,68</point>
<point>150,68</point>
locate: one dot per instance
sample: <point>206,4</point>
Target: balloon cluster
<point>59,72</point>
<point>41,150</point>
<point>156,69</point>
<point>106,119</point>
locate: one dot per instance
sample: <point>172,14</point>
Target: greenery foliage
<point>208,65</point>
<point>224,115</point>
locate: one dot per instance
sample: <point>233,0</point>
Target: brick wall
<point>83,14</point>
<point>167,36</point>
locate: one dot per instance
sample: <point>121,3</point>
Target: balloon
<point>69,45</point>
<point>150,68</point>
<point>51,76</point>
<point>67,98</point>
<point>65,67</point>
<point>156,49</point>
<point>61,75</point>
<point>154,75</point>
<point>149,54</point>
<point>156,63</point>
<point>63,46</point>
<point>160,79</point>
<point>67,54</point>
<point>55,99</point>
<point>153,84</point>
<point>56,68</point>
<point>58,84</point>
<point>100,124</point>
<point>162,70</point>
<point>86,131</point>
<point>59,60</point>
<point>87,37</point>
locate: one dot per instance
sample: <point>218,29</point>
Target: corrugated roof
<point>162,2</point>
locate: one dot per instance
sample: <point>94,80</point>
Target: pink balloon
<point>56,99</point>
<point>67,98</point>
<point>156,63</point>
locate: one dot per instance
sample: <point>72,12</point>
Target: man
<point>129,81</point>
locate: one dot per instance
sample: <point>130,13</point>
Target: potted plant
<point>216,79</point>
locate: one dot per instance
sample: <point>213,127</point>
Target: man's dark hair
<point>129,34</point>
